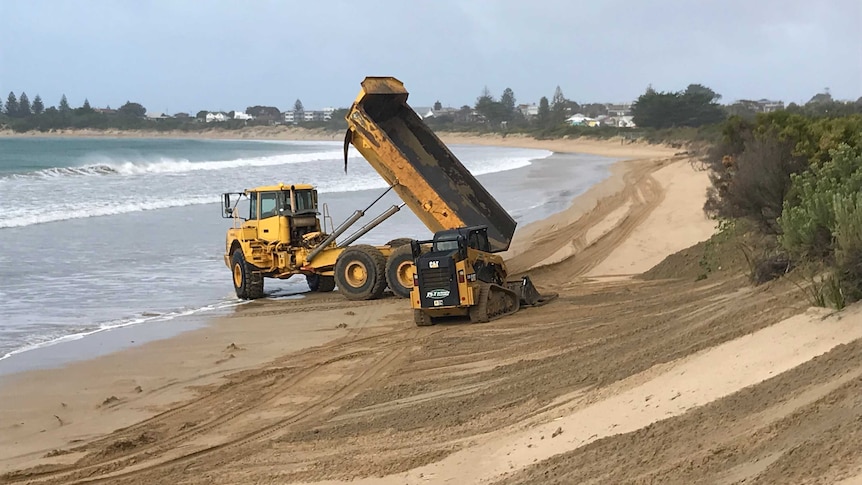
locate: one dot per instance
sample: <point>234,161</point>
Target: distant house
<point>424,111</point>
<point>761,105</point>
<point>105,111</point>
<point>312,115</point>
<point>580,119</point>
<point>442,112</point>
<point>327,113</point>
<point>216,117</point>
<point>529,110</point>
<point>155,115</point>
<point>622,109</point>
<point>619,121</point>
<point>239,115</point>
<point>767,106</point>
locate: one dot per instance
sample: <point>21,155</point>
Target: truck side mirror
<point>228,210</point>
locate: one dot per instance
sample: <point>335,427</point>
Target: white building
<point>239,115</point>
<point>621,109</point>
<point>529,110</point>
<point>216,117</point>
<point>580,119</point>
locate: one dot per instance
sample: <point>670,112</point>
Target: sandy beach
<point>624,378</point>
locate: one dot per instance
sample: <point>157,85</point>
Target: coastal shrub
<point>822,219</point>
<point>752,164</point>
<point>753,183</point>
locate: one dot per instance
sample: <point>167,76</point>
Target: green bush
<point>822,218</point>
<point>752,165</point>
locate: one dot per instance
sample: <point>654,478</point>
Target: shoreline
<point>88,398</point>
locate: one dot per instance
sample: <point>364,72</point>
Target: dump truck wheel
<point>398,242</point>
<point>319,283</point>
<point>360,273</point>
<point>247,283</point>
<point>421,319</point>
<point>399,271</point>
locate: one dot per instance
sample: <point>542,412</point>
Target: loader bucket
<point>527,292</point>
<point>425,173</point>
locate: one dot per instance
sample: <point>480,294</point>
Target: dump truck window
<point>304,200</point>
<point>252,204</point>
<point>268,204</point>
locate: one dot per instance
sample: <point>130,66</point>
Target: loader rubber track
<point>494,301</point>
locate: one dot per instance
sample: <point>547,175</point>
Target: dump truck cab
<point>276,213</point>
<point>279,222</point>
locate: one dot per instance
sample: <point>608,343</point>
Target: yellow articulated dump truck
<point>281,235</point>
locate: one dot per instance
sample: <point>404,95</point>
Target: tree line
<point>697,106</point>
<point>23,115</point>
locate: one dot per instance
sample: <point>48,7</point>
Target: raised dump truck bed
<point>427,176</point>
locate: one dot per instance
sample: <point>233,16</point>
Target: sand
<point>621,379</point>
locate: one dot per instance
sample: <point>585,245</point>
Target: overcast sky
<point>177,55</point>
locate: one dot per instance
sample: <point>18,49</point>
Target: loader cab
<point>460,239</point>
<point>441,275</point>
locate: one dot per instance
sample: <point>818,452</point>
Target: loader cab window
<point>268,204</point>
<point>446,244</point>
<point>479,240</point>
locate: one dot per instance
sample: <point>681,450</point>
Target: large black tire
<point>399,271</point>
<point>247,282</point>
<point>398,242</point>
<point>320,284</point>
<point>360,272</point>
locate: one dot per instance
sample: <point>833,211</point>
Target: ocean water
<point>102,233</point>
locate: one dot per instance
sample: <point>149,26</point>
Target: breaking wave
<point>62,214</point>
<point>169,166</point>
<point>103,197</point>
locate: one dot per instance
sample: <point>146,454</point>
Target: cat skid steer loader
<point>456,274</point>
